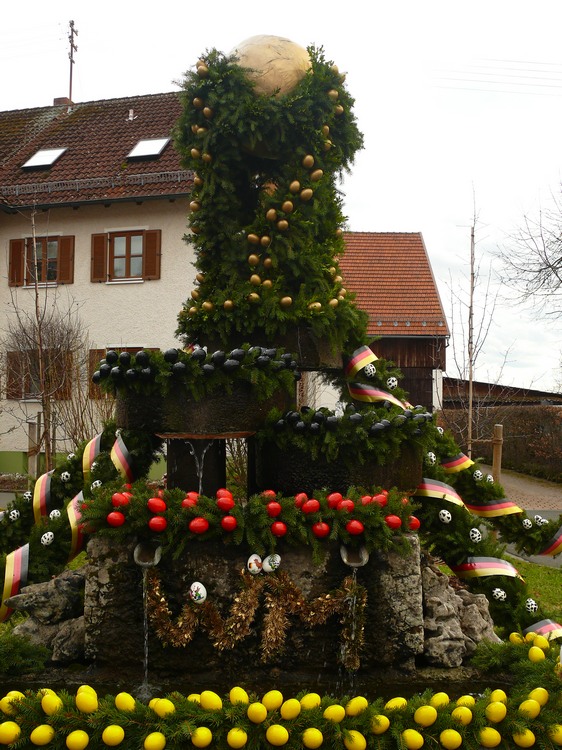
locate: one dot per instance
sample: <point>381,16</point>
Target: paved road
<point>535,496</point>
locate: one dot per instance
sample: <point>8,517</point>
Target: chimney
<point>61,100</point>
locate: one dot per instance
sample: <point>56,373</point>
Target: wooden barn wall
<point>412,352</point>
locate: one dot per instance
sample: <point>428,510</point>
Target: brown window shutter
<point>66,260</point>
<point>152,253</point>
<point>64,377</point>
<point>99,257</point>
<point>13,375</point>
<point>17,256</point>
<point>94,356</point>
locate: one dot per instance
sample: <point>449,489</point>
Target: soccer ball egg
<point>490,478</point>
<point>445,516</point>
<point>540,521</point>
<point>531,605</point>
<point>430,458</point>
<point>499,594</point>
<point>440,430</point>
<point>47,538</point>
<point>27,495</point>
<point>392,383</point>
<point>370,370</point>
<point>65,476</point>
<point>14,514</point>
<point>478,476</point>
<point>475,535</point>
<point>527,523</point>
<point>54,514</point>
<point>71,456</point>
<point>95,484</point>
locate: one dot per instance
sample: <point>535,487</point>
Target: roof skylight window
<point>45,157</point>
<point>148,147</point>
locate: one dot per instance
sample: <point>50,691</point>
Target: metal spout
<point>147,554</point>
<point>355,558</point>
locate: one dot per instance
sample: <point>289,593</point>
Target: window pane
<point>119,268</point>
<point>52,249</point>
<point>52,254</point>
<point>120,246</point>
<point>136,266</point>
<point>136,244</point>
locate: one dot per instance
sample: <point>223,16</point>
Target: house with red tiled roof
<point>391,276</point>
<point>98,189</point>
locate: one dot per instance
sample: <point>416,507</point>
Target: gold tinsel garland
<point>283,599</point>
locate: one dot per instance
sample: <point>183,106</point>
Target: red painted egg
<point>381,499</point>
<point>320,529</point>
<point>300,499</point>
<point>334,498</point>
<point>229,523</point>
<point>354,527</point>
<point>269,493</point>
<point>225,503</point>
<point>223,492</point>
<point>278,528</point>
<point>156,505</point>
<point>198,525</point>
<point>414,523</point>
<point>346,505</point>
<point>393,522</point>
<point>118,499</point>
<point>115,518</point>
<point>157,523</point>
<point>310,506</point>
<point>273,509</point>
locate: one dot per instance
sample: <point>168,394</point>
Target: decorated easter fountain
<point>314,579</point>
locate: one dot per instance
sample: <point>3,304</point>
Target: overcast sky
<point>460,104</point>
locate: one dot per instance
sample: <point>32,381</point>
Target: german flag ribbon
<point>364,392</point>
<point>456,463</point>
<point>122,459</point>
<point>42,496</point>
<point>358,360</point>
<point>91,450</point>
<point>74,512</point>
<point>438,490</point>
<point>15,577</point>
<point>548,628</point>
<point>479,567</point>
<point>554,547</point>
<point>493,510</point>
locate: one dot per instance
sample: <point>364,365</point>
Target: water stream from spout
<point>199,460</point>
<point>146,557</point>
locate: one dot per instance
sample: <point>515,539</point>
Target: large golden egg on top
<point>276,64</point>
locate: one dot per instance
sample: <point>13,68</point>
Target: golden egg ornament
<point>253,260</point>
<point>338,110</point>
<point>306,194</point>
<point>195,153</point>
<point>255,279</point>
<point>294,187</point>
<point>253,239</point>
<point>202,71</point>
<point>308,161</point>
<point>198,102</point>
<point>200,278</point>
<point>333,94</point>
<point>208,113</point>
<point>267,284</point>
<point>193,311</point>
<point>267,262</point>
<point>265,240</point>
<point>333,302</point>
<point>286,301</point>
<point>228,304</point>
<point>198,181</point>
<point>254,298</point>
<point>287,207</point>
<point>271,214</point>
<point>282,225</point>
<point>206,157</point>
<point>201,130</point>
<point>315,306</point>
<point>207,306</point>
<point>316,175</point>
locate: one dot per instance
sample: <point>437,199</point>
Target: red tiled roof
<point>391,276</point>
<point>98,136</point>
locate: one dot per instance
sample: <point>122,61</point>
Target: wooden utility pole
<point>470,344</point>
<point>73,49</point>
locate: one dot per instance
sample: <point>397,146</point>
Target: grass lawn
<point>544,584</point>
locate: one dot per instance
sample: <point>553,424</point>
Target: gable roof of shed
<point>391,276</point>
<point>97,136</point>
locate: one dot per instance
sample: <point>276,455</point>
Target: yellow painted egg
<point>438,700</point>
<point>201,737</point>
<point>272,700</point>
<point>210,701</point>
<point>526,738</point>
<point>125,702</point>
<point>113,735</point>
<point>86,702</point>
<point>236,737</point>
<point>15,694</point>
<point>6,706</point>
<point>356,705</point>
<point>152,702</point>
<point>310,700</point>
<point>290,709</point>
<point>193,697</point>
<point>42,735</point>
<point>335,713</point>
<point>462,715</point>
<point>163,707</point>
<point>277,735</point>
<point>530,637</point>
<point>466,700</point>
<point>450,739</point>
<point>540,695</point>
<point>86,689</point>
<point>154,741</point>
<point>77,740</point>
<point>312,738</point>
<point>498,695</point>
<point>489,737</point>
<point>555,733</point>
<point>496,711</point>
<point>238,695</point>
<point>425,716</point>
<point>9,732</point>
<point>412,739</point>
<point>354,740</point>
<point>530,708</point>
<point>516,638</point>
<point>379,724</point>
<point>395,704</point>
<point>51,703</point>
<point>256,712</point>
<point>541,642</point>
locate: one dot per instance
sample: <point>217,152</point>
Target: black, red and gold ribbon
<point>438,490</point>
<point>122,459</point>
<point>91,450</point>
<point>479,567</point>
<point>42,496</point>
<point>456,463</point>
<point>371,394</point>
<point>15,577</point>
<point>548,628</point>
<point>359,359</point>
<point>554,547</point>
<point>495,509</point>
<point>74,512</point>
